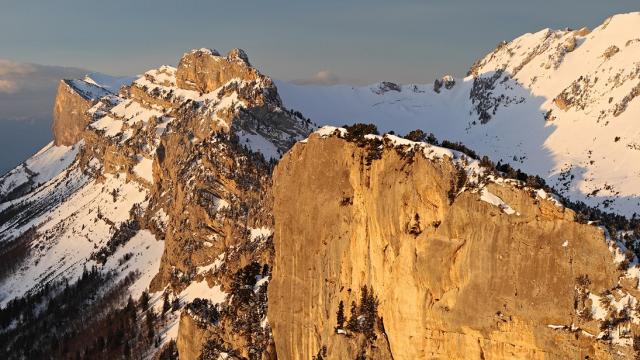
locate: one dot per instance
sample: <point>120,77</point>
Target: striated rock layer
<point>454,280</point>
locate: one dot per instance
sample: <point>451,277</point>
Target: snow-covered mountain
<point>153,182</point>
<point>155,200</point>
<point>558,103</point>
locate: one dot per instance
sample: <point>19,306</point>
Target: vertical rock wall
<point>461,280</point>
<point>69,115</point>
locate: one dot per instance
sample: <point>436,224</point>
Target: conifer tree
<point>340,315</point>
<point>165,303</point>
<point>352,325</point>
<point>151,318</point>
<point>143,303</point>
<point>175,304</point>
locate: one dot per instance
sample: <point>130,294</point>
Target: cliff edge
<point>430,258</point>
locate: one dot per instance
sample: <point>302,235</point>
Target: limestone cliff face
<point>199,164</point>
<point>191,337</point>
<point>69,115</point>
<point>454,280</point>
<point>73,99</point>
<point>226,192</point>
<point>204,70</point>
<point>204,155</point>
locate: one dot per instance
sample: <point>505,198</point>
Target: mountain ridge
<point>515,92</point>
<point>156,201</point>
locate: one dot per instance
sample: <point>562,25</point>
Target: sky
<point>324,42</point>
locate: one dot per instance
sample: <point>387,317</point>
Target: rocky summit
<point>205,211</point>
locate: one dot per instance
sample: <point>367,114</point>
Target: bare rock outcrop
<point>447,81</point>
<point>205,70</point>
<point>69,114</point>
<point>454,280</point>
<point>191,338</point>
<point>584,31</point>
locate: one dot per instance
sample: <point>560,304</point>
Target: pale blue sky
<point>360,41</point>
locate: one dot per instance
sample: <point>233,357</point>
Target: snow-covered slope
<point>108,82</point>
<point>159,167</point>
<point>40,168</point>
<point>558,103</point>
<point>77,197</point>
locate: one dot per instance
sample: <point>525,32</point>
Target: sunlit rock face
<point>73,99</point>
<point>205,70</point>
<point>490,274</point>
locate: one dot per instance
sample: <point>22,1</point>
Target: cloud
<point>322,77</point>
<point>27,93</point>
<point>12,68</point>
<point>12,74</point>
<point>27,90</point>
<point>8,86</point>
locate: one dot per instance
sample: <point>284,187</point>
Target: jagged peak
<point>239,55</point>
<point>233,54</point>
<point>203,51</point>
<point>206,70</point>
<point>554,44</point>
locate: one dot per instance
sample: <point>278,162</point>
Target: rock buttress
<point>454,280</point>
<point>69,115</point>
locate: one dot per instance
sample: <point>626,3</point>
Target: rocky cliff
<point>158,221</point>
<point>555,103</point>
<point>205,70</point>
<point>485,271</point>
<point>164,189</point>
<point>73,99</point>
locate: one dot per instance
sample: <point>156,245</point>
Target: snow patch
<point>110,126</point>
<point>259,233</point>
<point>259,143</point>
<point>200,289</point>
<point>494,200</point>
<point>144,169</point>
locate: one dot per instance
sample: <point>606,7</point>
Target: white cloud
<point>11,73</point>
<point>27,90</point>
<point>8,86</point>
<point>322,77</point>
<point>12,68</point>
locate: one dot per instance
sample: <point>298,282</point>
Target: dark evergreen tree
<point>340,315</point>
<point>151,318</point>
<point>175,304</point>
<point>166,306</point>
<point>416,135</point>
<point>169,351</point>
<point>369,311</point>
<point>352,325</point>
<point>143,303</point>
